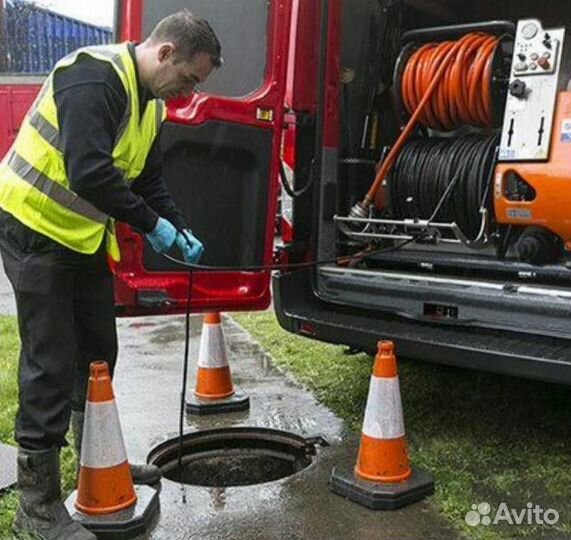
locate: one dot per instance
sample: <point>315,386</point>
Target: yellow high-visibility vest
<point>34,186</point>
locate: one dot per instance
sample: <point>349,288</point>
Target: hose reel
<point>440,185</point>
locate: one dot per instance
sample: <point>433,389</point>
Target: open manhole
<point>235,456</point>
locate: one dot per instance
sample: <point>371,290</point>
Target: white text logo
<point>532,514</point>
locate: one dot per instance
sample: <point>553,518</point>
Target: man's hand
<point>163,236</point>
<point>190,246</point>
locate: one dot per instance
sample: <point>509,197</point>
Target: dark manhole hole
<point>235,456</point>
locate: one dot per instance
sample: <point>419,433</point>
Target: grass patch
<point>484,437</point>
<point>9,350</point>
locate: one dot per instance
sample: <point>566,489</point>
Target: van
<point>444,226</point>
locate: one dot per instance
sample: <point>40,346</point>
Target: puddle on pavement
<point>235,456</point>
<point>175,333</point>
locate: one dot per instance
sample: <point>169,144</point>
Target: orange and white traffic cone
<point>105,486</point>
<point>214,392</point>
<point>383,478</point>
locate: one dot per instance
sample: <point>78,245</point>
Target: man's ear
<point>166,50</point>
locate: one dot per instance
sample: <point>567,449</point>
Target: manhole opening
<point>235,456</point>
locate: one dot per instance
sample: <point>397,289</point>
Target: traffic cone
<point>214,392</point>
<point>383,479</point>
<point>106,501</point>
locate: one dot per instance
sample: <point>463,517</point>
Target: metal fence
<point>33,39</point>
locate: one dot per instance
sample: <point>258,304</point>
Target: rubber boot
<point>41,513</point>
<point>142,474</point>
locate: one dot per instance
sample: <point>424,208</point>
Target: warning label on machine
<point>566,130</point>
<point>519,213</point>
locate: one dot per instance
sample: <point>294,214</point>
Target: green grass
<point>484,437</point>
<point>9,348</point>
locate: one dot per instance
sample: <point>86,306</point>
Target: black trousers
<point>66,321</point>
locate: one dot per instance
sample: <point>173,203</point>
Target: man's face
<point>176,78</point>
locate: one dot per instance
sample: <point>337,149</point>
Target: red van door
<point>221,151</point>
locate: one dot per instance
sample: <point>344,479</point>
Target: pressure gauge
<point>529,31</point>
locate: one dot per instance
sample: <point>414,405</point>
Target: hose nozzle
<point>359,211</point>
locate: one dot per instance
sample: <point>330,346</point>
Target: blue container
<point>36,38</point>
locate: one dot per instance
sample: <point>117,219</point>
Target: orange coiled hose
<point>463,95</point>
<point>460,67</point>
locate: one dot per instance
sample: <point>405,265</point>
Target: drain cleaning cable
<point>184,380</point>
<point>447,55</point>
<point>296,266</point>
<point>196,267</point>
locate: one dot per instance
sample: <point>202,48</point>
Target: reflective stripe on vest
<point>49,132</point>
<point>33,180</point>
<point>55,191</point>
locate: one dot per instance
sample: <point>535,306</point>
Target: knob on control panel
<point>543,62</point>
<point>518,89</point>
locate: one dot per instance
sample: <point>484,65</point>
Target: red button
<point>544,63</point>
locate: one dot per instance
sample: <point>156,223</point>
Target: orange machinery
<point>545,187</point>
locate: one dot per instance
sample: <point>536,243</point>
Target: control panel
<point>534,80</point>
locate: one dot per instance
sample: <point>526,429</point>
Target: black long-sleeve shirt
<point>91,101</point>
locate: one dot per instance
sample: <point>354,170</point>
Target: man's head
<point>180,53</point>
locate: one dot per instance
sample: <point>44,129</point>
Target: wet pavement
<point>301,507</point>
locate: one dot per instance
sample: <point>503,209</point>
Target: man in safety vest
<point>87,154</point>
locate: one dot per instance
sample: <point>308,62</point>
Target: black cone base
<point>236,403</point>
<point>121,525</point>
<point>381,496</point>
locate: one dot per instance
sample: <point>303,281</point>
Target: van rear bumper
<point>300,311</point>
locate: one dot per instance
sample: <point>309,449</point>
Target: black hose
<point>297,266</point>
<point>425,170</point>
<point>184,377</point>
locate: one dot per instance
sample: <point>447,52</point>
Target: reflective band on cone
<point>212,353</point>
<point>383,415</point>
<point>383,453</point>
<point>102,444</point>
<point>214,380</point>
<point>105,483</point>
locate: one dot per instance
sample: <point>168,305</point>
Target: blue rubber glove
<point>190,246</point>
<point>163,236</point>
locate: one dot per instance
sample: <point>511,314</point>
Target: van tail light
<point>287,172</point>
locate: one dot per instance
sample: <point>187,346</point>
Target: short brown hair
<point>190,35</point>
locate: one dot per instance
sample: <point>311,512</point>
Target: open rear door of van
<point>221,151</point>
